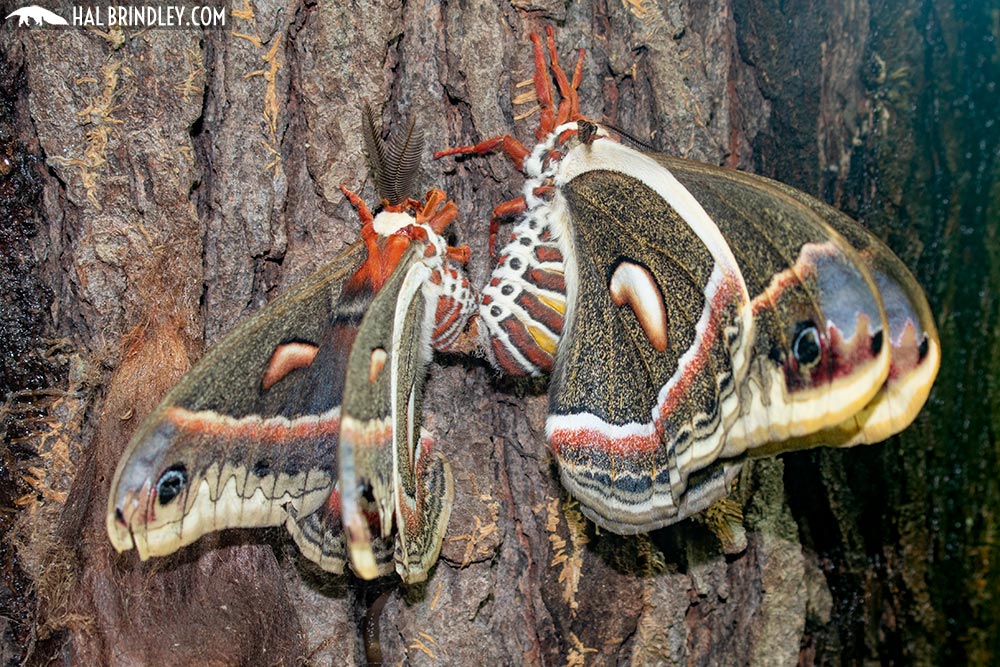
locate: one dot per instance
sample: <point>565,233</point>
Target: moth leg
<point>508,144</point>
<point>551,116</point>
<point>433,201</point>
<point>724,518</point>
<point>504,210</point>
<point>569,105</point>
<point>434,210</point>
<point>512,208</point>
<point>362,208</point>
<point>438,214</point>
<point>509,209</point>
<point>372,267</point>
<point>543,91</point>
<point>411,204</point>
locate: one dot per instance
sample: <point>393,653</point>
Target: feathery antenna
<point>395,163</point>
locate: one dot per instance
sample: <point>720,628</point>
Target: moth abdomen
<point>523,306</point>
<point>456,302</point>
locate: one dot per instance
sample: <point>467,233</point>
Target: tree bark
<point>182,178</point>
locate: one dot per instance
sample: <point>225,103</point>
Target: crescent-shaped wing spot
<point>378,359</point>
<point>634,285</point>
<point>285,359</point>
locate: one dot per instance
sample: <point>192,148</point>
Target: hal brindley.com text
<point>150,16</point>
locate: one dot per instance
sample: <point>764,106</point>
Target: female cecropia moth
<point>250,436</point>
<point>690,316</point>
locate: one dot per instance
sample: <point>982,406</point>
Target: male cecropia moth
<point>252,435</point>
<point>690,316</point>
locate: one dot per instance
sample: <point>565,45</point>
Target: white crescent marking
<point>634,284</point>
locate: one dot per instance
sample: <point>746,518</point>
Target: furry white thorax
<point>388,223</point>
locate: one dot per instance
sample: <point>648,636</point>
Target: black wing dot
<point>877,343</point>
<point>171,483</point>
<point>924,348</point>
<point>806,346</point>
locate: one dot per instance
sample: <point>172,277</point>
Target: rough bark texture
<point>158,189</point>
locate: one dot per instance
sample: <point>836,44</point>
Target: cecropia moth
<point>258,432</point>
<point>690,316</point>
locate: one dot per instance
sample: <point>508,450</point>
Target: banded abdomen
<point>522,308</point>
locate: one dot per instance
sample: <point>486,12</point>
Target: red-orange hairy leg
<point>508,144</point>
<point>460,254</point>
<point>440,221</point>
<point>359,204</point>
<point>437,213</point>
<point>578,75</point>
<point>433,200</point>
<point>507,209</point>
<point>412,205</point>
<point>543,91</point>
<point>372,267</point>
<point>569,105</point>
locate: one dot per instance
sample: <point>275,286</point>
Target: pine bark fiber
<point>188,177</point>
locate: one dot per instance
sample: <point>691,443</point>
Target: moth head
<point>152,499</point>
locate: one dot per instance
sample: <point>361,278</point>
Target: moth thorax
<point>388,223</point>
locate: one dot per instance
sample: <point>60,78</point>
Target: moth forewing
<point>413,321</point>
<point>367,467</point>
<point>187,456</point>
